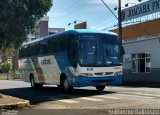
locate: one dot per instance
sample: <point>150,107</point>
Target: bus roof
<point>91,31</point>
<point>80,31</point>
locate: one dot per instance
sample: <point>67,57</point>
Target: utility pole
<point>120,21</point>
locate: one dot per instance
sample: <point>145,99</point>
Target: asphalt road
<point>113,97</point>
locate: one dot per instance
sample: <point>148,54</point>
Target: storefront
<point>142,52</point>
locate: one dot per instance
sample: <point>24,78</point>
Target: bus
<point>74,58</point>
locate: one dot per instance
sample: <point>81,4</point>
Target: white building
<point>142,52</point>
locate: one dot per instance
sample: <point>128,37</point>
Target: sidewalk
<point>9,102</point>
<point>141,84</point>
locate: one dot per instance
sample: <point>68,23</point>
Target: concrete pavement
<point>8,101</point>
<point>113,97</point>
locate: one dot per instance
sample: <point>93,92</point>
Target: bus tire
<point>35,85</point>
<point>66,86</point>
<point>100,87</point>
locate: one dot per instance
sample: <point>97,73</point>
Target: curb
<point>18,105</point>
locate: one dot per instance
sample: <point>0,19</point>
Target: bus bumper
<point>96,81</point>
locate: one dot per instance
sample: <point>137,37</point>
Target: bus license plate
<point>104,83</point>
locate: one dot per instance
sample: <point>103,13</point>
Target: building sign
<point>146,8</point>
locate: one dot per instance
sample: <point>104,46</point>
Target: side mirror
<point>122,50</point>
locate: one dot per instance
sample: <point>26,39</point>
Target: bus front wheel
<point>100,88</point>
<point>66,85</point>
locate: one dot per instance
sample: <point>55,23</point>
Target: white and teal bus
<point>74,58</point>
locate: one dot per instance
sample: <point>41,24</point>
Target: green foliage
<point>6,67</point>
<point>8,51</point>
<point>18,18</point>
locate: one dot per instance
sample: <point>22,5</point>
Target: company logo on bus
<point>90,69</point>
<point>45,61</point>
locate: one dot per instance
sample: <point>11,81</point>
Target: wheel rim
<point>65,84</point>
<point>32,82</point>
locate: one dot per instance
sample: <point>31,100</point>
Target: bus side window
<point>72,49</point>
<point>57,45</point>
<point>23,52</point>
<point>62,42</point>
<point>20,53</point>
<point>54,45</point>
<point>44,47</point>
<point>33,49</point>
<point>51,46</point>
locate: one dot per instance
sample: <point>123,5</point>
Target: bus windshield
<point>99,50</point>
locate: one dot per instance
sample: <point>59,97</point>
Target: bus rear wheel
<point>66,85</point>
<point>35,85</point>
<point>100,87</point>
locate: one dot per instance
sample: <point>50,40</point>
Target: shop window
<point>141,62</point>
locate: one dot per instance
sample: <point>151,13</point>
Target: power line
<point>109,9</point>
<point>98,22</point>
<point>72,9</point>
<point>105,22</point>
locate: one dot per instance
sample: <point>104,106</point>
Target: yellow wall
<point>137,30</point>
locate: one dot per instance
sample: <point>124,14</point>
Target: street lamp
<point>115,8</point>
<point>79,25</point>
<point>71,23</point>
<point>126,5</point>
<point>74,22</point>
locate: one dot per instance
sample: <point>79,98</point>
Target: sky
<point>94,12</point>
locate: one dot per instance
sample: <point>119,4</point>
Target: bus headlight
<point>118,73</point>
<point>86,74</point>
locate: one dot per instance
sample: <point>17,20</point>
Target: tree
<point>8,52</point>
<point>6,66</point>
<point>18,18</point>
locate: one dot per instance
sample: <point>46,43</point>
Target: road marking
<point>148,94</point>
<point>90,99</point>
<point>68,101</point>
<point>107,97</point>
<point>132,95</point>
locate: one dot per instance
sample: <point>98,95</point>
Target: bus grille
<point>104,73</point>
<point>100,81</point>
